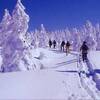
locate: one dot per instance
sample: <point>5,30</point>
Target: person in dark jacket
<point>67,47</point>
<point>50,43</point>
<point>54,44</point>
<point>62,45</point>
<point>84,48</point>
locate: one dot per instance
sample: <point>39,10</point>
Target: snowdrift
<point>43,84</point>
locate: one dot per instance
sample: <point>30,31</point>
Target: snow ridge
<point>88,83</point>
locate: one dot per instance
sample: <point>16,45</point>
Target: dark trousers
<point>84,56</point>
<point>50,45</point>
<point>54,46</point>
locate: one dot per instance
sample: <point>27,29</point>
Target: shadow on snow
<point>93,73</point>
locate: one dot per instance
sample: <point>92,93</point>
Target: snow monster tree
<point>12,32</point>
<point>90,35</point>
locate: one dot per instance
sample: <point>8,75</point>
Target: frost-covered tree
<point>62,35</point>
<point>83,33</point>
<point>4,34</point>
<point>43,37</point>
<point>5,21</point>
<point>97,28</point>
<point>28,39</point>
<point>76,39</point>
<point>56,35</point>
<point>20,18</point>
<point>12,38</point>
<point>90,35</point>
<point>68,35</point>
<point>40,37</point>
<point>35,38</point>
<point>5,26</point>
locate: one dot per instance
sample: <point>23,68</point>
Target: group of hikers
<point>66,46</point>
<point>52,43</point>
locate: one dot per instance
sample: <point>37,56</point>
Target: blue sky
<point>57,14</point>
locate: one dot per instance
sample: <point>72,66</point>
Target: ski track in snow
<point>71,68</point>
<point>88,64</point>
<point>94,78</point>
<point>93,74</point>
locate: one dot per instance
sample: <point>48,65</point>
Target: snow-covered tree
<point>4,34</point>
<point>20,18</point>
<point>97,28</point>
<point>35,38</point>
<point>40,37</point>
<point>5,26</point>
<point>76,39</point>
<point>62,35</point>
<point>28,40</point>
<point>12,38</point>
<point>6,20</point>
<point>83,34</point>
<point>68,35</point>
<point>90,35</point>
<point>43,37</point>
<point>56,35</point>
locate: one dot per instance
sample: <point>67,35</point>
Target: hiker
<point>84,48</point>
<point>67,47</point>
<point>62,45</point>
<point>54,44</point>
<point>50,43</point>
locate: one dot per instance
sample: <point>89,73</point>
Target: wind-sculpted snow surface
<point>88,83</point>
<point>69,64</point>
<point>56,80</point>
<point>94,68</point>
<point>43,84</point>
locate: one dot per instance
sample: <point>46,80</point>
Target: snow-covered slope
<point>94,57</point>
<point>57,60</point>
<point>43,84</point>
<point>58,79</point>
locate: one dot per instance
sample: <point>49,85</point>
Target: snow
<point>48,83</point>
<point>57,59</point>
<point>40,85</point>
<point>43,73</point>
<point>94,57</point>
<point>98,75</point>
